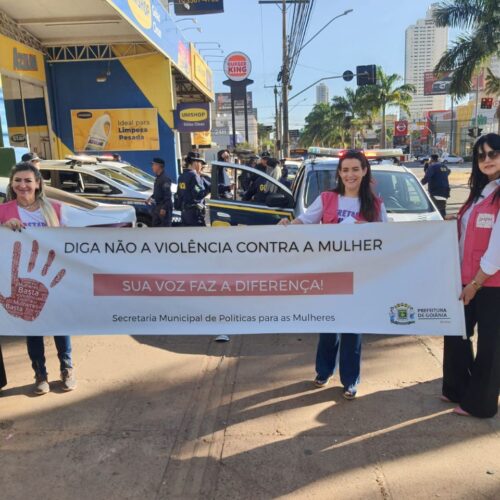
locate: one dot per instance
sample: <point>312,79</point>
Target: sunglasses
<point>490,154</point>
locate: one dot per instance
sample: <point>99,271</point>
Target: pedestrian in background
<point>191,192</point>
<point>224,183</point>
<point>28,207</point>
<point>474,381</point>
<point>353,200</point>
<point>31,158</point>
<point>162,195</point>
<point>284,177</point>
<point>439,187</point>
<point>274,170</point>
<point>3,375</point>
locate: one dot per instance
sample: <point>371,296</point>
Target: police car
<point>404,197</point>
<point>136,174</point>
<point>86,177</point>
<point>78,212</point>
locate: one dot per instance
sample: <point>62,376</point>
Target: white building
<point>322,94</point>
<point>425,44</point>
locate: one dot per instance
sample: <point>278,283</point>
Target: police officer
<point>258,187</point>
<point>32,158</point>
<point>162,195</point>
<point>191,192</point>
<point>439,187</point>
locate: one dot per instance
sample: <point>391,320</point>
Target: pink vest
<point>9,211</point>
<point>330,202</point>
<point>477,238</point>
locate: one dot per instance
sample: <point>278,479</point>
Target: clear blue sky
<point>373,34</point>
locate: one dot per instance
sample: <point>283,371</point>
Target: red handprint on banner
<point>28,296</point>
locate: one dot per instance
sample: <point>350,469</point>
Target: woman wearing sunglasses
<point>352,201</point>
<point>473,382</point>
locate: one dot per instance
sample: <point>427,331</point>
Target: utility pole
<point>284,88</point>
<point>277,121</point>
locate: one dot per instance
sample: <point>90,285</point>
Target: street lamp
<point>194,20</point>
<point>322,29</point>
<point>208,43</point>
<point>219,50</point>
<point>199,30</point>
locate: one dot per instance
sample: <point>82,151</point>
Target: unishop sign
<point>192,117</point>
<point>237,66</point>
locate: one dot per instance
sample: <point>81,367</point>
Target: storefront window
<point>23,117</point>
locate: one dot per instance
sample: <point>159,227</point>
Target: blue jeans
<point>349,358</point>
<point>36,353</point>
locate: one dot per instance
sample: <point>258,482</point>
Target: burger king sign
<point>237,66</point>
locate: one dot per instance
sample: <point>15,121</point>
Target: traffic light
<point>366,75</point>
<point>486,102</point>
<point>474,132</point>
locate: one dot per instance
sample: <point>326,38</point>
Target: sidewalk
<point>183,417</point>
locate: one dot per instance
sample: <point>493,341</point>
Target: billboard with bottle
<point>115,129</point>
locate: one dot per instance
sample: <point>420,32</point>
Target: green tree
<point>352,111</point>
<point>320,127</point>
<point>384,94</point>
<point>481,21</point>
<point>263,133</point>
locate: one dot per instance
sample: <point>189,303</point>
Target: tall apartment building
<point>425,44</point>
<point>322,94</point>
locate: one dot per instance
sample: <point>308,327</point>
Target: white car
<point>404,197</point>
<point>293,167</point>
<point>80,212</point>
<point>452,159</point>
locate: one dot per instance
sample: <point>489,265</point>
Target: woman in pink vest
<point>30,208</point>
<point>473,382</point>
<point>352,201</point>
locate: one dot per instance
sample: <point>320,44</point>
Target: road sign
<point>347,75</point>
<point>486,102</point>
<point>401,128</point>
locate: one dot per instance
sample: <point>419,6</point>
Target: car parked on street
<point>452,159</point>
<point>81,212</point>
<point>403,195</point>
<point>96,182</point>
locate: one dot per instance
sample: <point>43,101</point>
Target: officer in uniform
<point>162,195</point>
<point>258,188</point>
<point>439,186</point>
<point>192,189</point>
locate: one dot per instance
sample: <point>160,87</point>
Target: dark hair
<point>478,180</point>
<point>434,157</point>
<point>368,205</point>
<point>159,161</point>
<point>220,153</point>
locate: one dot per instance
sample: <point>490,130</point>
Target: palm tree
<point>481,20</point>
<point>352,111</point>
<point>385,94</point>
<point>323,127</point>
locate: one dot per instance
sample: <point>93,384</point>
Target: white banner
<point>395,278</point>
